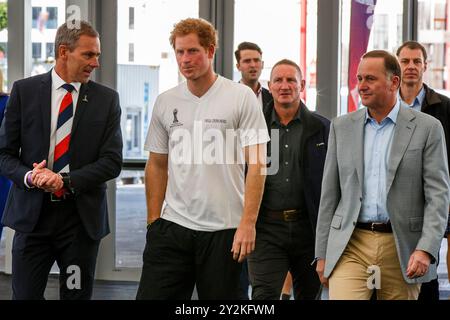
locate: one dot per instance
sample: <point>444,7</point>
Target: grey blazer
<point>417,186</point>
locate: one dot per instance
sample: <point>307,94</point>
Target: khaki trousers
<point>351,280</point>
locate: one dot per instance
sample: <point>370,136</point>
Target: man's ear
<point>302,85</point>
<point>396,82</point>
<point>211,51</point>
<point>62,51</point>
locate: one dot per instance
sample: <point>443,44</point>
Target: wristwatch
<point>67,183</point>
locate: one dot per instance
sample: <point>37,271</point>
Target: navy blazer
<point>314,144</point>
<point>95,151</point>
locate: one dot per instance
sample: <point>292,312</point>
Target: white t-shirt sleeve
<point>157,136</point>
<point>252,125</point>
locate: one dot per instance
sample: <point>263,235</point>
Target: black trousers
<point>177,258</point>
<point>58,236</point>
<point>429,291</point>
<point>283,246</point>
<point>244,283</point>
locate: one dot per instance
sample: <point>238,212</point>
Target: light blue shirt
<point>377,146</point>
<point>417,103</point>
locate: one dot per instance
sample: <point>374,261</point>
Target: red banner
<point>361,21</point>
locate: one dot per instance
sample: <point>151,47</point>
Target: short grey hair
<point>287,62</point>
<point>70,36</point>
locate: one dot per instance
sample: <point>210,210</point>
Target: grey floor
<point>130,255</point>
<point>103,290</point>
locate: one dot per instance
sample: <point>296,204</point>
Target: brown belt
<point>375,226</point>
<point>284,215</point>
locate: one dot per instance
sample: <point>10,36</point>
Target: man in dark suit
<point>250,64</point>
<point>288,213</point>
<point>412,57</point>
<point>60,142</point>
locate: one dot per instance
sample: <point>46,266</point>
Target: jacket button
<point>354,223</point>
<point>360,199</point>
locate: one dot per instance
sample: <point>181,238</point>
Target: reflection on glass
<point>433,34</point>
<point>386,25</point>
<point>146,62</point>
<point>131,219</point>
<point>281,37</point>
<point>46,16</point>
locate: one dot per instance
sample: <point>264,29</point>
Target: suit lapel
<point>358,118</point>
<point>82,103</point>
<point>45,92</point>
<point>402,136</point>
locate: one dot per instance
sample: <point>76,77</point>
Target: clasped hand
<point>44,178</point>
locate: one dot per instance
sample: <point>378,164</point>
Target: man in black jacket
<point>412,57</point>
<point>287,219</point>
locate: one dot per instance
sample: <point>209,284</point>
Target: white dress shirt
<point>58,94</point>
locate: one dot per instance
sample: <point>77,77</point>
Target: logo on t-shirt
<point>175,122</point>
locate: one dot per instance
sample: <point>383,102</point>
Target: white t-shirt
<point>204,138</point>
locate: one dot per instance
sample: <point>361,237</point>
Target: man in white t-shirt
<point>201,134</point>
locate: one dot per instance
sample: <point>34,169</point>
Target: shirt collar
<point>258,92</point>
<point>421,96</point>
<point>276,119</point>
<point>392,115</point>
<point>58,82</point>
<point>418,100</point>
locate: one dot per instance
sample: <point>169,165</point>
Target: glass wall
<point>46,16</point>
<point>377,24</point>
<point>433,32</point>
<point>146,67</point>
<point>282,29</point>
<point>146,62</point>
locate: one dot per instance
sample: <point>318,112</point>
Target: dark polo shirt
<point>282,190</point>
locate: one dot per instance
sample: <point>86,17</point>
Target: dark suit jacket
<point>95,151</point>
<point>314,143</point>
<point>266,98</point>
<point>438,106</point>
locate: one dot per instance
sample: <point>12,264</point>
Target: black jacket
<point>266,97</point>
<point>314,144</point>
<point>438,106</point>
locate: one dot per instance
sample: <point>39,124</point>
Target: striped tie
<point>63,129</point>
